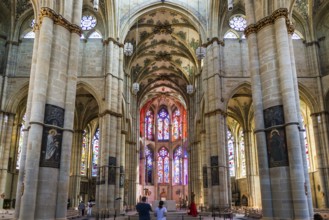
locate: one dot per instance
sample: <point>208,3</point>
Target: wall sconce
<point>135,88</point>
<point>96,5</point>
<point>200,53</point>
<point>189,89</point>
<point>230,5</point>
<point>128,49</point>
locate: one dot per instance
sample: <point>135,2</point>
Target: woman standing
<point>160,211</point>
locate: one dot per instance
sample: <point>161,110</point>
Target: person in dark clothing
<point>143,209</point>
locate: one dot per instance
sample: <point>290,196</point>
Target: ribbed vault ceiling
<point>164,60</point>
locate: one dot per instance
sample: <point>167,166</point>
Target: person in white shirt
<point>160,211</point>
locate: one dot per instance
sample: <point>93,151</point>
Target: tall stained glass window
<point>243,172</point>
<point>149,122</point>
<point>179,166</point>
<point>163,125</point>
<point>94,159</point>
<point>176,125</point>
<point>148,165</point>
<point>163,165</point>
<point>230,147</point>
<point>20,143</point>
<point>84,153</point>
<point>306,145</point>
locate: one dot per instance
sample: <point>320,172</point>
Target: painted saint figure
<point>52,144</point>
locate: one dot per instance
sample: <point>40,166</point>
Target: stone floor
<point>9,215</point>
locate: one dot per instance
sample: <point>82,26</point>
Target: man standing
<point>144,209</point>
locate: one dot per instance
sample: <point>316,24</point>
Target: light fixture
<point>189,89</point>
<point>96,5</point>
<point>230,5</point>
<point>200,52</point>
<point>128,49</point>
<point>135,88</point>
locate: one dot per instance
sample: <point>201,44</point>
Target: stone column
<point>51,115</point>
<point>254,65</point>
<point>291,111</point>
<point>215,125</point>
<point>252,176</point>
<point>282,163</point>
<point>6,127</point>
<point>21,175</point>
<point>111,120</point>
<point>74,189</point>
<point>322,161</point>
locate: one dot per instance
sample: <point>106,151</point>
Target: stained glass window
<point>148,165</point>
<point>306,146</point>
<point>84,153</point>
<point>180,166</point>
<point>88,22</point>
<point>230,35</point>
<point>95,35</point>
<point>32,23</point>
<point>20,143</point>
<point>149,121</point>
<point>163,125</point>
<point>176,125</point>
<point>296,36</point>
<point>230,146</point>
<point>242,155</point>
<point>94,159</point>
<point>238,23</point>
<point>163,165</point>
<point>29,35</point>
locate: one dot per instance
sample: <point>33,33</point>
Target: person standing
<point>90,206</point>
<point>82,208</point>
<point>160,211</point>
<point>144,209</point>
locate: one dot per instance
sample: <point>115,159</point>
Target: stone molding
<point>214,39</point>
<point>49,126</point>
<point>109,112</point>
<point>269,20</point>
<point>58,20</point>
<point>215,112</point>
<point>108,40</point>
<point>276,126</point>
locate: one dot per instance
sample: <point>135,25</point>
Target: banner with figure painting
<point>276,137</point>
<point>52,137</point>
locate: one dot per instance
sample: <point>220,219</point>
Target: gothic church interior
<point>110,101</point>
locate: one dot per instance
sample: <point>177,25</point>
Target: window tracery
<point>238,23</point>
<point>88,22</point>
<point>163,165</point>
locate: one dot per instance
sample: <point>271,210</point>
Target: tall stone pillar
<point>110,129</point>
<point>252,175</point>
<point>215,125</point>
<point>74,189</point>
<point>6,127</point>
<point>283,180</point>
<point>50,110</point>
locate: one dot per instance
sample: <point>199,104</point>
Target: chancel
<point>222,104</point>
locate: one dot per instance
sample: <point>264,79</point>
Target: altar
<point>169,204</point>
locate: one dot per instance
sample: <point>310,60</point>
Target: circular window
<point>238,22</point>
<point>88,22</point>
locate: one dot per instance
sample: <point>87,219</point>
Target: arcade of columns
<point>43,190</point>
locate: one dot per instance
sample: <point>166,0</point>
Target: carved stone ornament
<point>58,19</point>
<point>269,20</point>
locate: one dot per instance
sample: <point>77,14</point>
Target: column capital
<point>269,20</point>
<point>58,19</point>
